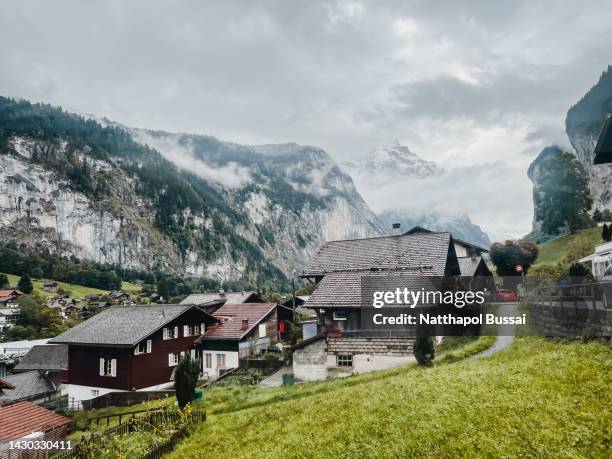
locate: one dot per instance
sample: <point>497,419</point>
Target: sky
<point>479,87</point>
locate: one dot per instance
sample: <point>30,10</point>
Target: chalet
<point>59,301</point>
<point>120,297</point>
<point>26,421</point>
<point>337,270</point>
<point>72,310</point>
<point>8,315</point>
<point>213,301</point>
<point>12,293</point>
<point>127,348</point>
<point>603,148</point>
<point>50,286</point>
<point>242,330</point>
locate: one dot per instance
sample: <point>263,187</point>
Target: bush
<point>185,380</point>
<point>25,284</point>
<point>424,351</point>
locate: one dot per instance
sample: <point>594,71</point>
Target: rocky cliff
<point>182,203</point>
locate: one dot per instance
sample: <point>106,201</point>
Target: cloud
<point>463,83</point>
<point>230,175</point>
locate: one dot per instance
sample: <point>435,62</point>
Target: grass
<point>556,249</point>
<point>537,398</point>
<point>77,291</point>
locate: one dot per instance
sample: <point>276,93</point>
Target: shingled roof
<point>344,289</point>
<point>28,385</point>
<point>425,253</point>
<point>232,315</point>
<point>227,297</point>
<point>23,418</point>
<point>123,326</point>
<point>48,357</point>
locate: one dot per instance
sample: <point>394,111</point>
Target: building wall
<point>133,371</point>
<point>231,361</point>
<point>364,363</point>
<point>310,362</point>
<point>77,393</point>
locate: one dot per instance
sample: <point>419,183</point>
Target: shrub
<point>185,380</point>
<point>424,351</point>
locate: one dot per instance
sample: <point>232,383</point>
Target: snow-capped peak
<point>394,159</point>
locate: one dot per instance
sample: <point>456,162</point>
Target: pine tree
<point>424,350</point>
<point>185,380</point>
<point>606,233</point>
<point>4,282</point>
<point>25,284</point>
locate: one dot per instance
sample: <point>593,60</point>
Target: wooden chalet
<point>125,348</point>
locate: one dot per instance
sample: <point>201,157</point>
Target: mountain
<point>392,161</point>
<point>387,172</point>
<point>459,225</point>
<point>186,204</point>
<point>582,125</point>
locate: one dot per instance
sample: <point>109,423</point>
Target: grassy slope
<point>556,249</point>
<point>78,291</point>
<point>539,397</point>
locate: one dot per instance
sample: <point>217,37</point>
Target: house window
<point>196,330</point>
<point>173,359</point>
<point>262,330</point>
<point>344,360</point>
<point>220,360</point>
<point>170,332</point>
<point>108,367</point>
<point>208,357</point>
<point>188,330</point>
<point>95,393</point>
<point>340,315</point>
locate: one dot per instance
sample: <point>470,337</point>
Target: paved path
<point>506,333</point>
<point>276,378</point>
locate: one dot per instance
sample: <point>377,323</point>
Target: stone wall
<point>570,322</point>
<point>371,346</point>
<point>310,362</point>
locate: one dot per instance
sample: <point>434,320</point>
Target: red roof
<point>232,316</point>
<point>11,292</point>
<point>23,418</point>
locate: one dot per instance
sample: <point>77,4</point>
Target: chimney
<point>245,324</point>
<point>396,228</point>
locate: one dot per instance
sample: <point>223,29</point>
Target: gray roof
<point>122,325</point>
<point>344,289</point>
<point>45,357</point>
<point>469,265</point>
<point>227,297</point>
<point>425,253</point>
<point>28,385</point>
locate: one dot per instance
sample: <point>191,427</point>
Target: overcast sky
<point>479,88</point>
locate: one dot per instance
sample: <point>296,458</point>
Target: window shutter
<point>193,354</point>
<point>176,335</point>
<point>101,367</point>
<point>165,333</point>
<point>202,328</point>
<point>149,345</point>
<point>185,330</point>
<point>114,367</point>
<point>170,360</point>
<point>136,349</point>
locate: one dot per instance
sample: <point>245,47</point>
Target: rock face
<point>186,204</point>
<point>583,124</point>
<point>459,225</point>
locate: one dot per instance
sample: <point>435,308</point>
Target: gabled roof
<point>23,418</point>
<point>10,292</point>
<point>425,253</point>
<point>469,265</point>
<point>227,297</point>
<point>232,315</point>
<point>48,357</point>
<point>344,289</point>
<point>123,326</point>
<point>603,149</point>
<point>419,229</point>
<point>28,385</point>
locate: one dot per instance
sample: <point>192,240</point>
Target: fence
<point>125,398</point>
<point>145,422</point>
